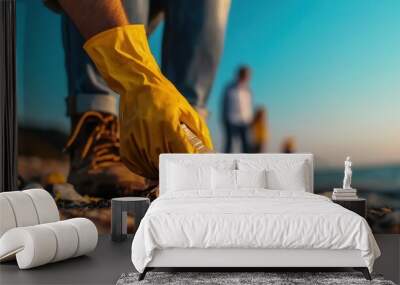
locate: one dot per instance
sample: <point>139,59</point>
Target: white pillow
<point>281,174</point>
<point>291,179</point>
<point>251,178</point>
<point>181,177</point>
<point>223,179</point>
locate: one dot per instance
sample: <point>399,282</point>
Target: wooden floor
<point>110,260</point>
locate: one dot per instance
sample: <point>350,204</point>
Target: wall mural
<point>304,76</point>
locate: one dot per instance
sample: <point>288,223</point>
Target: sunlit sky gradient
<point>328,72</point>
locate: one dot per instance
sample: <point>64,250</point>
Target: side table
<point>120,207</point>
<point>358,206</point>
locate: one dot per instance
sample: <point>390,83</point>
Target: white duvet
<point>250,219</point>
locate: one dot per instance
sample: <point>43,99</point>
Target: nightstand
<point>358,206</point>
<point>119,210</point>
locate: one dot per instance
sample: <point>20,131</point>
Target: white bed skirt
<point>190,257</point>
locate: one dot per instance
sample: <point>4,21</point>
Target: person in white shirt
<point>237,113</point>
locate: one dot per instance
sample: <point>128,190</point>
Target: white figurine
<point>347,174</point>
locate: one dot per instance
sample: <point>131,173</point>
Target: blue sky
<point>328,72</point>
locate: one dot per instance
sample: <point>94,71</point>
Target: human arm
<point>92,17</point>
<point>151,108</point>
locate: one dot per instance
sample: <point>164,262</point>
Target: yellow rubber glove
<point>151,108</point>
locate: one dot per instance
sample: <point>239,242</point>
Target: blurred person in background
<point>191,47</point>
<point>237,111</point>
<point>288,145</point>
<point>259,130</point>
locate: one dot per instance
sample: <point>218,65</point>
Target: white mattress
<point>252,219</point>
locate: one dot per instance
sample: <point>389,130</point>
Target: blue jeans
<point>191,48</point>
<point>237,131</point>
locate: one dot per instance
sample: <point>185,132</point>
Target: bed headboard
<point>212,157</point>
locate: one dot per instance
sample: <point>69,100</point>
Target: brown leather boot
<point>96,168</point>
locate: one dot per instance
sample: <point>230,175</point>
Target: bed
<point>245,211</point>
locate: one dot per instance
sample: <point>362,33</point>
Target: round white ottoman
<point>31,232</point>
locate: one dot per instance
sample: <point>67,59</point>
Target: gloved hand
<point>151,108</point>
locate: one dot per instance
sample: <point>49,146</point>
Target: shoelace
<point>104,138</point>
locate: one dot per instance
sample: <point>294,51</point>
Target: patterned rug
<point>231,278</point>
